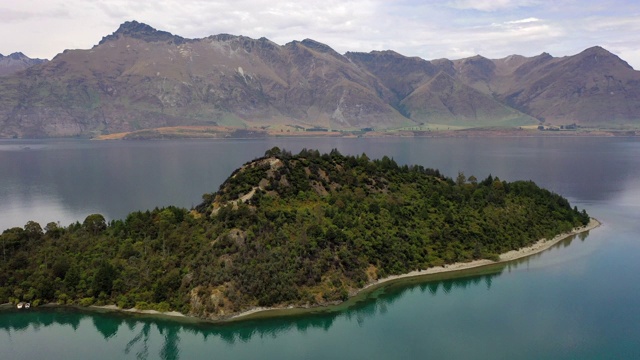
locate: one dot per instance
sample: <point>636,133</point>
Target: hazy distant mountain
<point>15,62</point>
<point>594,87</point>
<point>139,77</point>
<point>435,93</point>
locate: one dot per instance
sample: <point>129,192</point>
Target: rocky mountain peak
<point>223,37</point>
<point>144,32</point>
<point>388,53</point>
<point>597,50</point>
<point>477,60</point>
<point>17,56</point>
<point>318,46</point>
<point>476,68</point>
<point>597,56</point>
<point>15,62</point>
<point>514,57</point>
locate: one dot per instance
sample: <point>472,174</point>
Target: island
<point>284,231</point>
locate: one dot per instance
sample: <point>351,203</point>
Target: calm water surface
<point>578,300</point>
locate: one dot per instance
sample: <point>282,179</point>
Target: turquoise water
<point>578,300</point>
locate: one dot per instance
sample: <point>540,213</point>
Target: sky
<point>450,29</point>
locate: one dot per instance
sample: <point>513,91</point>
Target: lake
<point>578,299</point>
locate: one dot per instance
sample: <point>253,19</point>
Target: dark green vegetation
<point>284,229</point>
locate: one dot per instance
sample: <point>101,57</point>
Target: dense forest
<point>284,229</point>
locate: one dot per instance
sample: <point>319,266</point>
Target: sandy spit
<point>138,311</point>
<point>539,246</point>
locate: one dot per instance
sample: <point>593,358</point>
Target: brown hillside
<point>142,78</point>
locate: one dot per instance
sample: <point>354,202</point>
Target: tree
<point>60,267</point>
<point>72,277</point>
<point>53,230</point>
<point>95,223</point>
<point>12,239</point>
<point>274,151</point>
<point>33,230</point>
<point>103,279</point>
<point>165,219</point>
<point>461,179</point>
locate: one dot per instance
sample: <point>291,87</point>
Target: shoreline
<point>537,247</point>
<point>463,133</point>
<point>137,311</point>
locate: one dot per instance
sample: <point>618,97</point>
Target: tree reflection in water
<point>145,330</point>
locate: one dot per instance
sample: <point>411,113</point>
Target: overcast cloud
<point>430,29</point>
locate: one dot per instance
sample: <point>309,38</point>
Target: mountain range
<point>143,78</point>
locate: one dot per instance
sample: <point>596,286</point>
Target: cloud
<point>429,29</point>
<point>490,5</point>
<point>523,21</point>
<point>25,13</point>
<point>13,15</point>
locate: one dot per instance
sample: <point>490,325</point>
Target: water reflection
<point>14,321</point>
<point>144,334</point>
<point>106,326</point>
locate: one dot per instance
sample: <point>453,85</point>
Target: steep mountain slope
<point>444,100</point>
<point>142,78</point>
<point>441,92</point>
<point>400,74</point>
<point>594,87</point>
<point>476,71</point>
<point>139,77</point>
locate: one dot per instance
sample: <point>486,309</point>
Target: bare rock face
<point>143,32</point>
<point>142,78</point>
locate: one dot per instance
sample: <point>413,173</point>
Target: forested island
<point>283,230</point>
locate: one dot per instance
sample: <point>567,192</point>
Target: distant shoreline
<point>220,132</point>
<point>186,133</point>
<point>509,256</point>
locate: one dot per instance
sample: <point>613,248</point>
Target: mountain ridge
<point>142,78</point>
<point>16,62</point>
